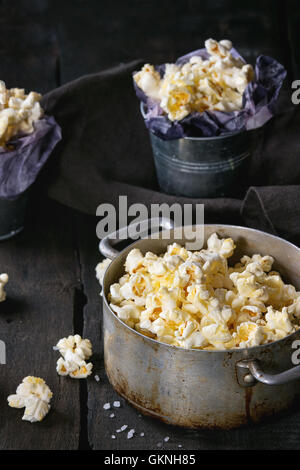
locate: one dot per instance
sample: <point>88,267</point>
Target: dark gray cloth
<point>105,152</point>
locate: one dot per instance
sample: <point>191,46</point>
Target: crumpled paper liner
<point>259,100</point>
<point>20,166</point>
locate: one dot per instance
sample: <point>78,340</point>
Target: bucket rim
<point>215,137</point>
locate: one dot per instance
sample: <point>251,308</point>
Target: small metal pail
<point>12,215</point>
<point>203,167</point>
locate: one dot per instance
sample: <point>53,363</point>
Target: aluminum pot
<point>197,388</point>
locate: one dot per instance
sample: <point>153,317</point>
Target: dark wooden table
<point>52,290</point>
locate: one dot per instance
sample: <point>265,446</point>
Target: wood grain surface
<point>52,290</point>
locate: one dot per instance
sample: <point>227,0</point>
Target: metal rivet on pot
<point>249,379</point>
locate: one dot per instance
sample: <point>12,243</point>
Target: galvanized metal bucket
<point>12,216</point>
<point>197,388</point>
<point>204,167</point>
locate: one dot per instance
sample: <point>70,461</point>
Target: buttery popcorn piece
<point>194,300</point>
<point>101,268</point>
<point>3,281</point>
<point>215,83</point>
<point>75,352</point>
<point>18,112</point>
<point>34,395</point>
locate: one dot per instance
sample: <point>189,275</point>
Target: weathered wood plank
<point>38,312</point>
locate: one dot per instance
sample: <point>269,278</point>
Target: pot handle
<point>107,243</point>
<point>249,372</point>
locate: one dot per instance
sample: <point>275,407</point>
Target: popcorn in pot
<point>196,300</point>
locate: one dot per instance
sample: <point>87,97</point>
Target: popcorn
<point>225,247</point>
<point>279,321</point>
<point>75,352</point>
<point>149,81</point>
<point>250,334</point>
<point>3,281</point>
<point>133,260</point>
<point>194,300</point>
<point>34,395</point>
<point>101,268</point>
<point>216,335</point>
<point>215,83</point>
<point>18,112</point>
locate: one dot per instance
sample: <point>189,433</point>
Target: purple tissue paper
<point>259,100</point>
<point>20,166</point>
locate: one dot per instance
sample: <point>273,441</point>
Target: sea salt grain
<point>122,428</point>
<point>117,404</point>
<point>106,406</point>
<point>159,444</point>
<point>112,415</point>
<point>113,436</point>
<point>166,439</point>
<point>179,445</point>
<point>97,378</point>
<point>130,433</point>
<point>142,434</point>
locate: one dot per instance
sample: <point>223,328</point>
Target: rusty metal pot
<point>196,388</point>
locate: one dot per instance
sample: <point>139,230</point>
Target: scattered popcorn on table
<point>116,404</point>
<point>214,83</point>
<point>142,434</point>
<point>75,352</point>
<point>106,406</point>
<point>113,436</point>
<point>101,268</point>
<point>112,415</point>
<point>97,378</point>
<point>166,439</point>
<point>34,395</point>
<point>3,281</point>
<point>195,300</point>
<point>18,112</point>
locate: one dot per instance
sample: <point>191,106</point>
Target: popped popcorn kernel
<point>196,300</point>
<point>34,395</point>
<point>201,84</point>
<point>3,281</point>
<point>101,268</point>
<point>18,112</point>
<point>75,351</point>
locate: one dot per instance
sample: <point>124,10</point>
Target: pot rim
<point>172,347</point>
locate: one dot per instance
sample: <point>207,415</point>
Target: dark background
<point>52,290</point>
<point>45,43</point>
